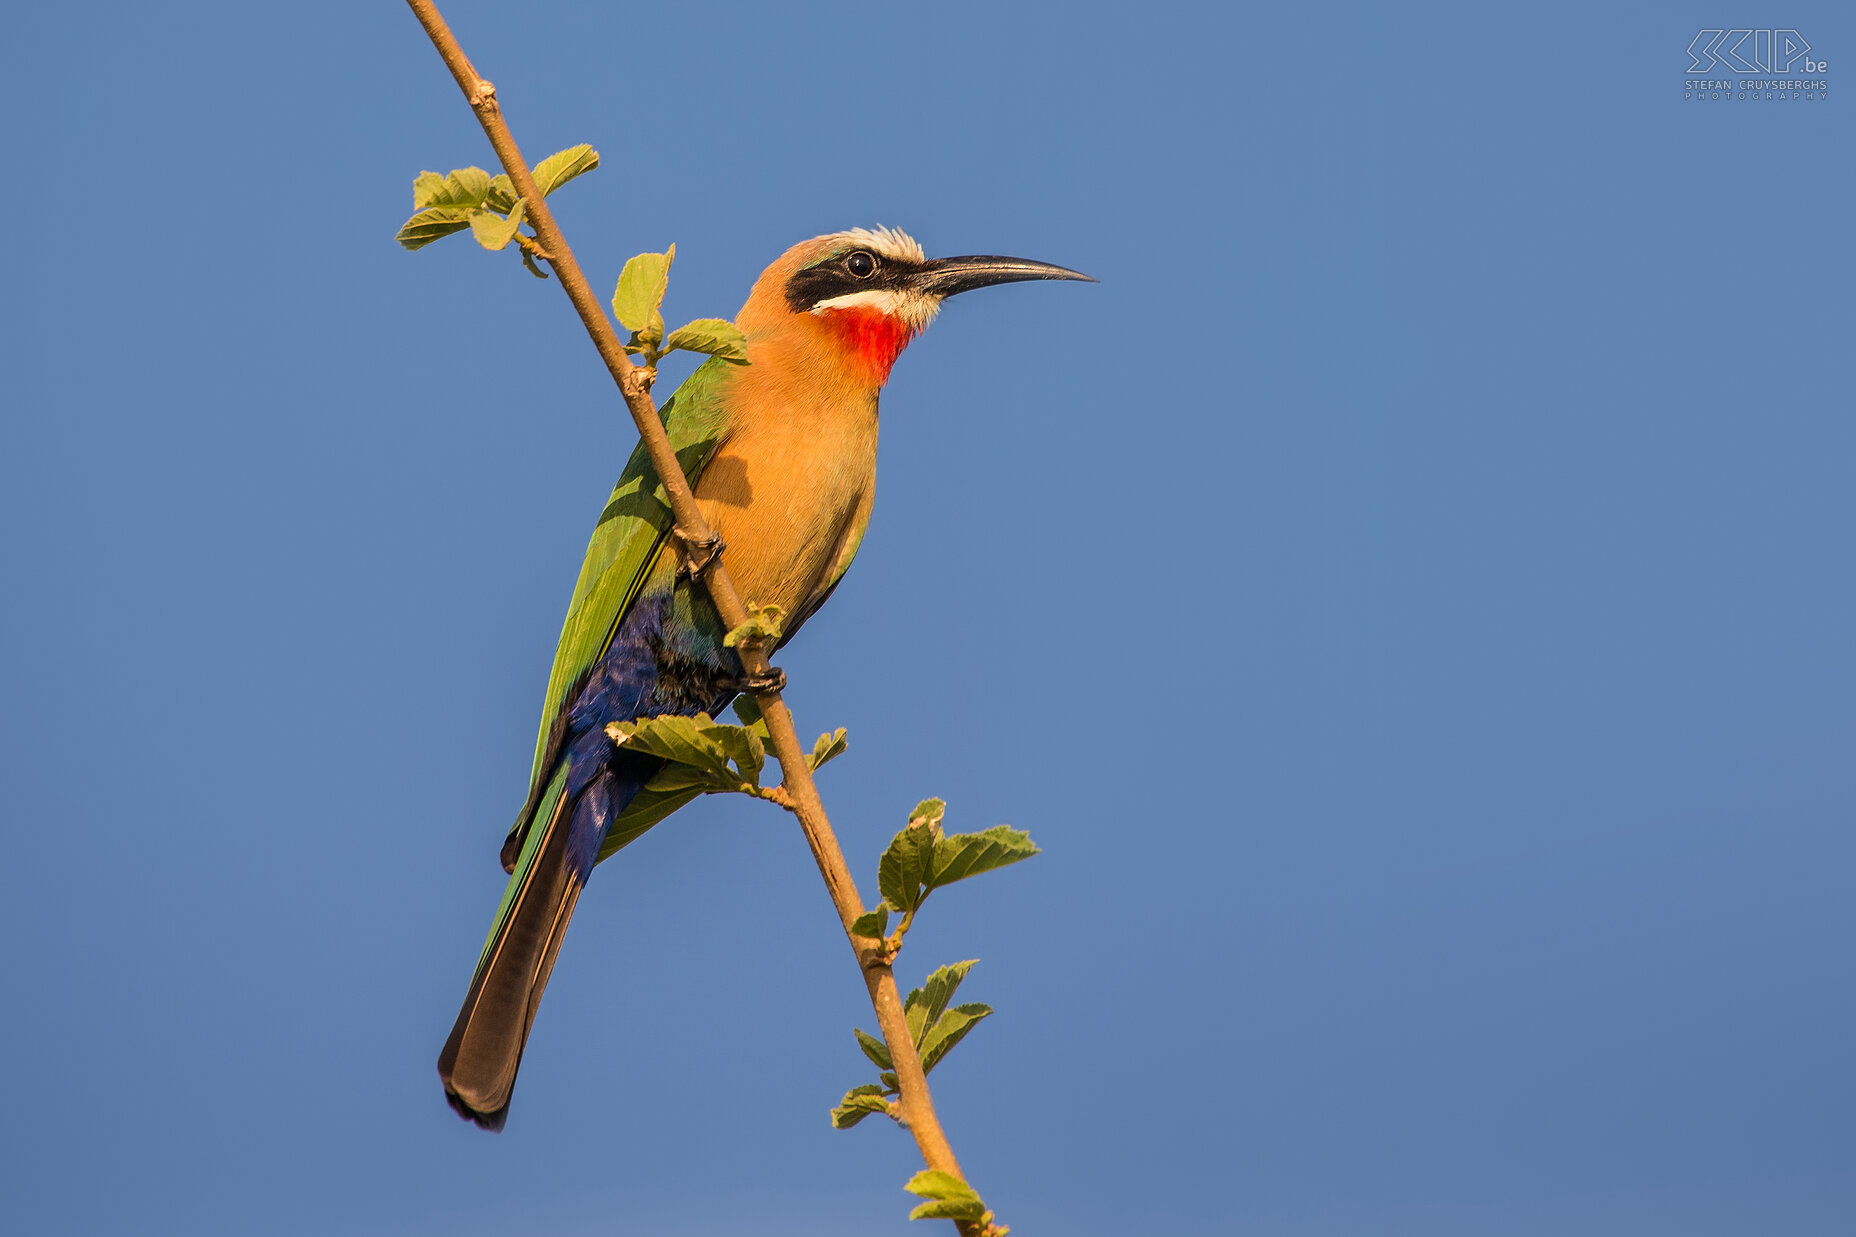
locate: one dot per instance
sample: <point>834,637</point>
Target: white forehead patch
<point>915,308</point>
<point>887,241</point>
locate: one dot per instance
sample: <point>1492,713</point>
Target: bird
<point>781,455</point>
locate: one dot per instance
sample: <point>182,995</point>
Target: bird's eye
<point>860,264</point>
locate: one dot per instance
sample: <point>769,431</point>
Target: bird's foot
<point>699,553</point>
<point>774,680</point>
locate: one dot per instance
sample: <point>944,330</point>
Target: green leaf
<point>502,195</point>
<point>744,749</point>
<point>677,778</point>
<point>715,336</point>
<point>950,1209</point>
<point>928,812</point>
<point>874,1048</point>
<point>641,290</point>
<point>829,746</point>
<point>563,165</point>
<point>682,740</point>
<point>859,1102</point>
<point>433,223</point>
<point>764,624</point>
<point>890,1085</point>
<point>748,710</point>
<point>949,1029</point>
<point>951,1198</point>
<point>647,808</point>
<point>926,1004</point>
<point>903,867</point>
<point>872,923</point>
<point>473,181</point>
<point>492,230</point>
<point>933,1183</point>
<point>462,187</point>
<point>960,855</point>
<point>426,187</point>
<point>704,755</point>
<point>644,343</point>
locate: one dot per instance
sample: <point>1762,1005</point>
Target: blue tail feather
<point>655,665</point>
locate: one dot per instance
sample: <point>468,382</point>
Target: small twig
<point>915,1105</point>
<point>776,795</point>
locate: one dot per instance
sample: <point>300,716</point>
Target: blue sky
<point>1408,599</point>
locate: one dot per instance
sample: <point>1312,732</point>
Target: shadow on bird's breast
<point>725,481</point>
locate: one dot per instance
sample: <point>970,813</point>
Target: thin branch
<point>777,795</point>
<point>917,1105</point>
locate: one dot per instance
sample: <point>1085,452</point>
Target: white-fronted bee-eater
<point>781,453</point>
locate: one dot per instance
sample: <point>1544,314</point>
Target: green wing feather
<point>531,847</point>
<point>625,545</point>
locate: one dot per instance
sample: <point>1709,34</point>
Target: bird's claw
<point>699,553</point>
<point>774,680</point>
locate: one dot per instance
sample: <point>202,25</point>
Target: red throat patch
<point>872,336</point>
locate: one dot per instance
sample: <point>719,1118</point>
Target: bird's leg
<point>698,553</point>
<point>772,681</point>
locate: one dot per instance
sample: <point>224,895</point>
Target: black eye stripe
<point>837,276</point>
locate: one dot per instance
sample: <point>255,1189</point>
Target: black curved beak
<point>950,276</point>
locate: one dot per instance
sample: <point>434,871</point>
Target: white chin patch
<point>915,308</point>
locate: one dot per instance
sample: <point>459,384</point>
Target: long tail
<point>480,1059</point>
<point>587,793</point>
